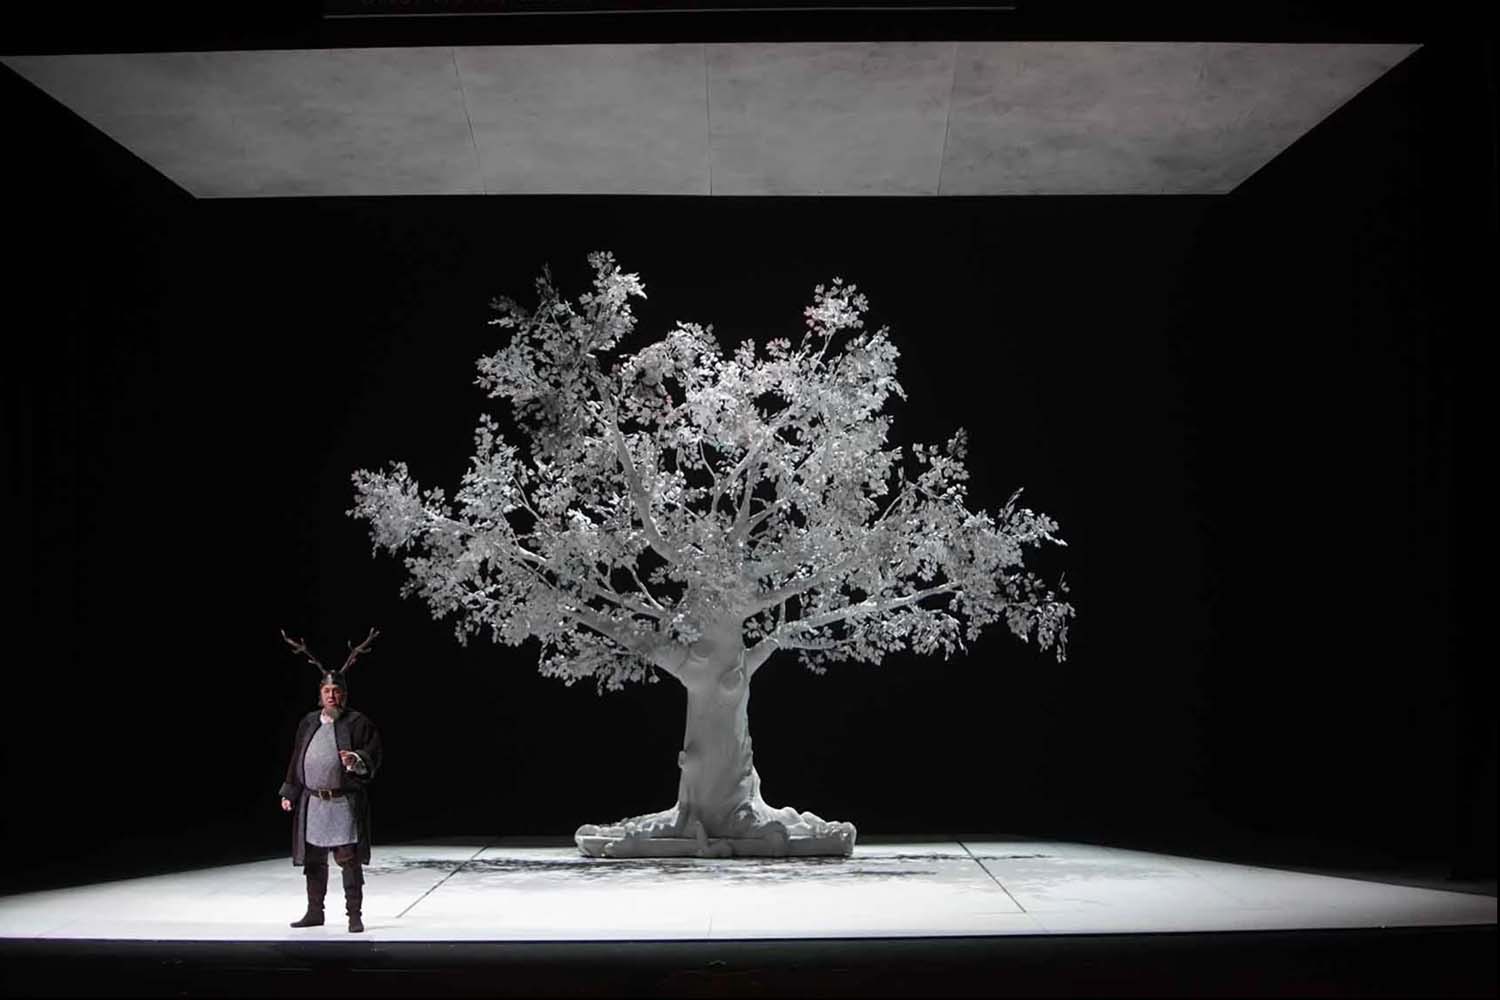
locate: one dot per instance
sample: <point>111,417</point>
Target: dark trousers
<point>315,867</point>
<point>347,856</point>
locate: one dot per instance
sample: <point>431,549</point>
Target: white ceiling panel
<point>1139,118</point>
<point>601,119</point>
<point>828,118</point>
<point>846,118</point>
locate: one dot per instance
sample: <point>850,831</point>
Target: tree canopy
<point>662,493</point>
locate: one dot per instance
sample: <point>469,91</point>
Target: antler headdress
<point>338,676</point>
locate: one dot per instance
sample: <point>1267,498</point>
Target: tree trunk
<point>719,810</point>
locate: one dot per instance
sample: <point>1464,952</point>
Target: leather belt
<point>326,793</point>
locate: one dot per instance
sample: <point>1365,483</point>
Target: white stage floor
<point>970,888</point>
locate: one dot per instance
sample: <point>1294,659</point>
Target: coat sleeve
<point>292,786</point>
<point>365,738</point>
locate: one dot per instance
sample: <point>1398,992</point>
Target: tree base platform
<point>605,846</point>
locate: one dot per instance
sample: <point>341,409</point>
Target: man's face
<point>332,696</point>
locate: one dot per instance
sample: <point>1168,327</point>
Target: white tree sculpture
<point>694,513</point>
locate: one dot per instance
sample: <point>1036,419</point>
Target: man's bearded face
<point>331,697</point>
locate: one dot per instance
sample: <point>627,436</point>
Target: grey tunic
<point>330,822</point>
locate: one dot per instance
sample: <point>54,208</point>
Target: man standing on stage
<point>334,757</point>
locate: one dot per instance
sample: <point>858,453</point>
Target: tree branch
<point>752,453</point>
<point>752,480</point>
<point>632,644</point>
<point>758,654</point>
<point>603,590</point>
<point>713,477</point>
<point>760,516</point>
<point>777,596</point>
<point>638,494</point>
<point>866,607</point>
<point>784,636</point>
<point>632,476</point>
<point>645,590</point>
<point>659,653</point>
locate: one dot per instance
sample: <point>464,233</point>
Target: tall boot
<point>317,888</point>
<point>354,895</point>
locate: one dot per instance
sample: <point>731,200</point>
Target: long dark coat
<point>352,731</point>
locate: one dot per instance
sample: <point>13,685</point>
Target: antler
<point>299,646</point>
<point>361,648</point>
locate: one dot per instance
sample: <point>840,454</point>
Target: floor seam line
<point>991,875</point>
<point>438,884</point>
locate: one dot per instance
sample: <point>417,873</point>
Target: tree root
<point>755,830</point>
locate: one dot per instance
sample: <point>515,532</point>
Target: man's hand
<point>349,758</point>
<point>286,805</point>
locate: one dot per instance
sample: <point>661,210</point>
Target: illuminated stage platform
<point>988,911</point>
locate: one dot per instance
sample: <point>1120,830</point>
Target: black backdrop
<point>1243,410</point>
